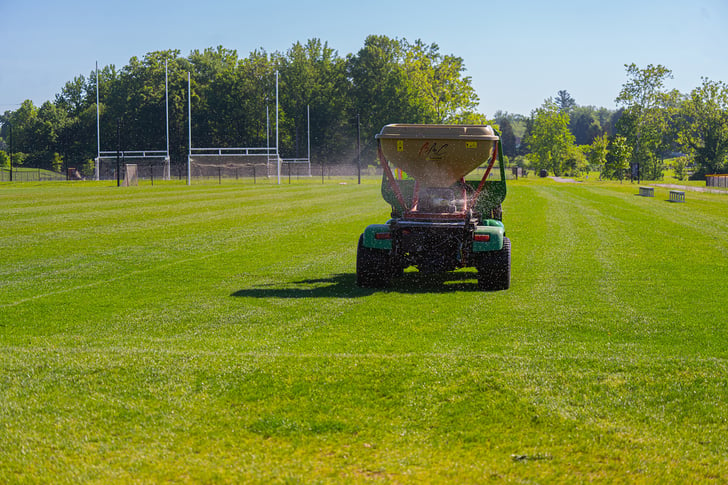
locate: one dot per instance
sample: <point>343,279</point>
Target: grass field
<point>215,334</point>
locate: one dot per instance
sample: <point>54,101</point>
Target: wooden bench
<point>677,196</point>
<point>647,191</point>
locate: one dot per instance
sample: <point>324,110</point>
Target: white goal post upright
<point>278,157</point>
<point>98,127</point>
<point>167,167</point>
<point>189,129</point>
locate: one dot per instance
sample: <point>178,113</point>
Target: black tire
<point>373,268</point>
<point>494,268</point>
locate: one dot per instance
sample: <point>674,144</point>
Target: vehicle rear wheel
<point>373,267</point>
<point>494,268</point>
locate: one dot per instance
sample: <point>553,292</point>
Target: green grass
<point>215,334</point>
<point>24,174</point>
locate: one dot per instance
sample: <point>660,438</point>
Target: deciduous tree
<point>549,138</point>
<point>597,152</point>
<point>703,131</point>
<point>644,97</point>
<point>618,157</point>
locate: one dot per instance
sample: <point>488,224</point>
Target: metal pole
<point>358,148</point>
<point>278,158</point>
<point>11,151</point>
<point>189,127</point>
<point>167,174</point>
<point>308,123</point>
<point>98,126</point>
<point>118,152</point>
<point>267,139</point>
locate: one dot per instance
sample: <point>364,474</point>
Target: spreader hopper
<point>440,221</point>
<point>437,155</point>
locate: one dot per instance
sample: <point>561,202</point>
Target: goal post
<point>221,162</point>
<point>146,161</point>
<point>230,163</point>
<point>103,156</point>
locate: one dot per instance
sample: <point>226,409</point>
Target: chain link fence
<point>29,175</point>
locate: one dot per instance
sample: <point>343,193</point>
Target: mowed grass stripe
<point>257,359</point>
<point>447,411</point>
<point>643,259</point>
<point>156,235</point>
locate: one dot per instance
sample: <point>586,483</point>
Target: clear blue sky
<point>517,53</point>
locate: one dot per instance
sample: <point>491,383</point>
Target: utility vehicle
<point>440,221</point>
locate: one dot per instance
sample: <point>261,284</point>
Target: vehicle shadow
<point>343,285</point>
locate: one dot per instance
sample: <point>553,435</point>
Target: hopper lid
<point>435,132</point>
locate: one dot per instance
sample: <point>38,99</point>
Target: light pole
<point>358,148</point>
<point>118,152</point>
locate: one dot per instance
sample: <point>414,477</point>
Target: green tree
<point>387,81</point>
<point>617,159</point>
<point>57,163</point>
<point>679,167</point>
<point>314,78</point>
<point>564,101</point>
<point>596,153</point>
<point>549,138</point>
<point>575,161</point>
<point>35,133</point>
<point>393,81</point>
<point>703,130</point>
<point>87,168</point>
<point>23,121</point>
<point>515,124</point>
<point>645,99</point>
<point>441,92</point>
<point>378,88</point>
<point>72,96</point>
<point>508,138</point>
<point>584,124</point>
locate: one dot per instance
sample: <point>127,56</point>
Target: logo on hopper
<point>433,151</point>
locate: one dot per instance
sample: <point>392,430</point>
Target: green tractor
<point>440,221</point>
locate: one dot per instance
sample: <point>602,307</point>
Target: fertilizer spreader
<point>440,221</point>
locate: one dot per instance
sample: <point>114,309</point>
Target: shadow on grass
<point>344,286</point>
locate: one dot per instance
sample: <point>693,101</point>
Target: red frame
<point>413,213</point>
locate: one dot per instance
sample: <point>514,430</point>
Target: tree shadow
<point>343,285</point>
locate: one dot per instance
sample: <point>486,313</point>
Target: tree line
<point>652,125</point>
<point>233,102</point>
<point>352,97</point>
